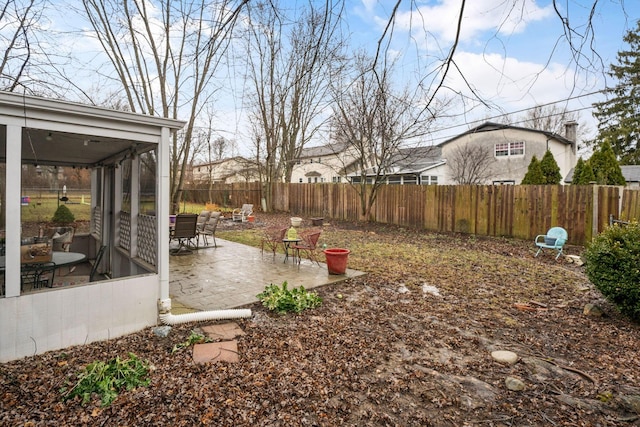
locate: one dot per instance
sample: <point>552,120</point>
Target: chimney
<point>570,132</point>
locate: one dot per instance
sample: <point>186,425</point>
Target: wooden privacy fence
<point>521,211</point>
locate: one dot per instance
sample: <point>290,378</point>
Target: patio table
<point>59,258</point>
<point>287,245</point>
<point>32,272</point>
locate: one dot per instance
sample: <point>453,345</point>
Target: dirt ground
<point>410,344</point>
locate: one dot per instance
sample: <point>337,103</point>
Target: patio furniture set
<point>42,260</point>
<point>293,242</point>
<point>188,228</point>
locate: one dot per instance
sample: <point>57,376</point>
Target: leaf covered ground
<point>408,344</point>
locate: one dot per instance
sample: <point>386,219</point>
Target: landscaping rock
<point>514,384</point>
<point>162,331</point>
<point>430,289</point>
<point>574,259</point>
<point>503,356</point>
<point>592,310</point>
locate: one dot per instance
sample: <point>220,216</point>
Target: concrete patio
<point>232,274</point>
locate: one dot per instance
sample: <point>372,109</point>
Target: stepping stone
<point>226,351</point>
<point>224,331</point>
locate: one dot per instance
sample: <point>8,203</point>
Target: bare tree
<point>18,36</point>
<point>289,63</point>
<point>164,54</point>
<point>470,164</point>
<point>378,125</point>
<point>551,118</point>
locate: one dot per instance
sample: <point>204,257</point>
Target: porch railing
<point>147,238</point>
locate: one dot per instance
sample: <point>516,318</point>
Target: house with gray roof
<point>631,174</point>
<point>491,153</point>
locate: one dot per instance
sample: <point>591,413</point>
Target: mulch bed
<point>382,350</point>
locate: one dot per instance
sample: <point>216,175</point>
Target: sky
<point>512,54</point>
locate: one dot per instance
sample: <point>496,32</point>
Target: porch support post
<point>12,206</point>
<point>162,190</point>
<point>135,204</point>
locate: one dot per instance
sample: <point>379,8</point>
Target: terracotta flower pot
<point>337,260</point>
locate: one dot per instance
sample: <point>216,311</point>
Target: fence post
<point>596,219</point>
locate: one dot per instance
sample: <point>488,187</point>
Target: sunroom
<point>127,155</point>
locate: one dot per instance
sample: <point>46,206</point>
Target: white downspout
<point>164,306</point>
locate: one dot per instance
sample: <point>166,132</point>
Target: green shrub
<point>108,379</point>
<point>63,215</point>
<point>613,266</point>
<point>282,300</point>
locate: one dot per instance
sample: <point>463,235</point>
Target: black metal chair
<point>186,234</point>
<point>37,275</point>
<point>96,263</point>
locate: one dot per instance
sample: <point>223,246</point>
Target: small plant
<point>613,266</point>
<point>194,338</point>
<point>108,379</point>
<point>63,215</point>
<point>282,300</point>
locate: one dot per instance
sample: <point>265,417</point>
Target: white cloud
<point>518,82</point>
<point>494,16</point>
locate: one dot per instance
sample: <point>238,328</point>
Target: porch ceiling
<point>44,147</point>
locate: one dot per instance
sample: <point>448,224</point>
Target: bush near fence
<point>520,211</point>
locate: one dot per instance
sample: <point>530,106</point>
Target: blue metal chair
<point>555,239</point>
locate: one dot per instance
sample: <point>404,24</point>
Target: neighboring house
<point>510,150</point>
<point>631,174</point>
<point>227,171</point>
<point>416,165</point>
<point>117,148</point>
<point>491,153</point>
<point>326,163</point>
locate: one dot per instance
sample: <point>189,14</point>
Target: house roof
<point>631,173</point>
<point>411,161</point>
<point>491,127</point>
<point>323,150</point>
<point>239,159</point>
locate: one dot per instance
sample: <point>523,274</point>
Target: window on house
<point>429,180</point>
<point>319,160</point>
<point>394,180</point>
<point>410,179</point>
<point>300,180</point>
<point>315,179</point>
<point>309,180</point>
<point>310,160</point>
<point>505,182</point>
<point>506,149</point>
<point>516,148</point>
<point>298,161</point>
<point>336,179</point>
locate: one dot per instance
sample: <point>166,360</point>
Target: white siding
<point>58,318</point>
